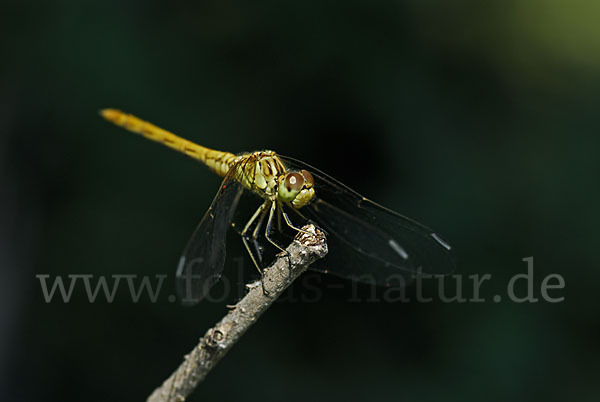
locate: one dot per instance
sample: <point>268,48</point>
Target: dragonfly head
<point>296,188</point>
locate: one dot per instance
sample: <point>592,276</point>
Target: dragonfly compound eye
<point>294,181</point>
<point>308,177</point>
<point>290,186</point>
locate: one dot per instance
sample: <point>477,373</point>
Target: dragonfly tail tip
<point>109,114</point>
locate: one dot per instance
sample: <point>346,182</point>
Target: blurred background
<point>479,119</point>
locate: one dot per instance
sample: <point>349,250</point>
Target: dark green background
<point>479,119</point>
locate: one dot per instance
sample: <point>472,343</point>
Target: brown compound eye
<point>308,177</point>
<point>294,181</point>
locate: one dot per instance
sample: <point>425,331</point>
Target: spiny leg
<point>259,212</point>
<point>279,218</point>
<point>299,214</point>
<point>268,236</point>
<point>256,231</point>
<point>288,221</point>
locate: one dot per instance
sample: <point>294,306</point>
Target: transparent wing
<point>368,242</point>
<point>203,258</point>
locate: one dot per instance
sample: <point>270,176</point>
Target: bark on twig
<point>217,341</point>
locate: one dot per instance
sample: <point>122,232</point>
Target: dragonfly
<point>367,242</point>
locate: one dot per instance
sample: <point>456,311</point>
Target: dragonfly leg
<point>299,214</point>
<point>279,218</point>
<point>255,233</point>
<point>307,220</point>
<point>290,224</point>
<point>268,235</point>
<point>261,211</point>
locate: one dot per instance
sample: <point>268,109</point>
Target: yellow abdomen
<point>217,161</point>
<point>257,171</point>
